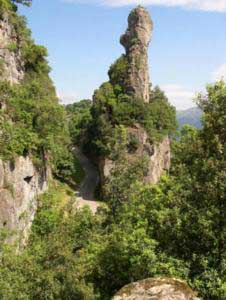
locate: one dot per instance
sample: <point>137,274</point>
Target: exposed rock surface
<point>136,41</point>
<point>11,65</point>
<point>158,155</point>
<point>20,184</point>
<point>136,82</point>
<point>20,181</point>
<point>156,289</point>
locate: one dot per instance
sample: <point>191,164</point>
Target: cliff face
<point>20,181</point>
<point>136,83</point>
<point>158,156</point>
<point>20,184</point>
<point>11,65</point>
<point>136,41</point>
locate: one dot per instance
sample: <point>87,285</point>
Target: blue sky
<point>188,48</point>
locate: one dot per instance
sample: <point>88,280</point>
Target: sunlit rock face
<point>20,184</point>
<point>156,289</point>
<point>157,156</point>
<point>136,41</point>
<point>136,82</point>
<point>11,65</point>
<point>20,181</point>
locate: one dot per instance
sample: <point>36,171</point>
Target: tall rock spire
<point>129,76</point>
<point>136,41</point>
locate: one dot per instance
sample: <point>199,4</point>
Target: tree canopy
<point>24,2</point>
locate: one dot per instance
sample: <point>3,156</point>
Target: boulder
<point>156,289</point>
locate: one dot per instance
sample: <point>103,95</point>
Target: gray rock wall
<point>11,66</point>
<point>20,184</point>
<point>158,156</point>
<point>20,181</point>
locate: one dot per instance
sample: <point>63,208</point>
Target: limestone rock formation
<point>136,82</point>
<point>11,65</point>
<point>136,41</point>
<point>20,184</point>
<point>20,181</point>
<point>158,156</point>
<point>156,289</point>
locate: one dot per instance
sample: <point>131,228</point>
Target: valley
<point>107,198</point>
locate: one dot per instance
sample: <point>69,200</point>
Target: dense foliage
<point>32,121</point>
<point>11,5</point>
<point>81,256</point>
<point>96,127</point>
<point>176,228</point>
<point>112,110</point>
<point>80,120</point>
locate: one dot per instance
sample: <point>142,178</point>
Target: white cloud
<point>220,73</point>
<point>205,5</point>
<point>67,97</point>
<point>179,96</point>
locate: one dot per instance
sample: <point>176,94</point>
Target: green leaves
<point>24,2</point>
<point>112,109</point>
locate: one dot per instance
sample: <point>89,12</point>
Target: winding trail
<point>87,188</point>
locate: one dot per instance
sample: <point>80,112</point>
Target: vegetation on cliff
<point>97,126</point>
<point>32,121</point>
<point>112,110</point>
<point>175,228</point>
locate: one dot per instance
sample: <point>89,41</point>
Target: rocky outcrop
<point>11,65</point>
<point>136,41</point>
<point>136,82</point>
<point>158,155</point>
<point>20,184</point>
<point>20,181</point>
<point>156,289</point>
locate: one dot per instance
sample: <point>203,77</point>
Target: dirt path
<point>89,184</point>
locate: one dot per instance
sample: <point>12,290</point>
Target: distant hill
<point>191,116</point>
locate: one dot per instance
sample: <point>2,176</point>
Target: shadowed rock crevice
<point>86,193</point>
<point>28,179</point>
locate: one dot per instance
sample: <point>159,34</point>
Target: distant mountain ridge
<point>191,116</point>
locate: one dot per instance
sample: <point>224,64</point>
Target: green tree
<point>24,2</point>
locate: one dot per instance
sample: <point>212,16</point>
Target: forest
<point>175,228</point>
